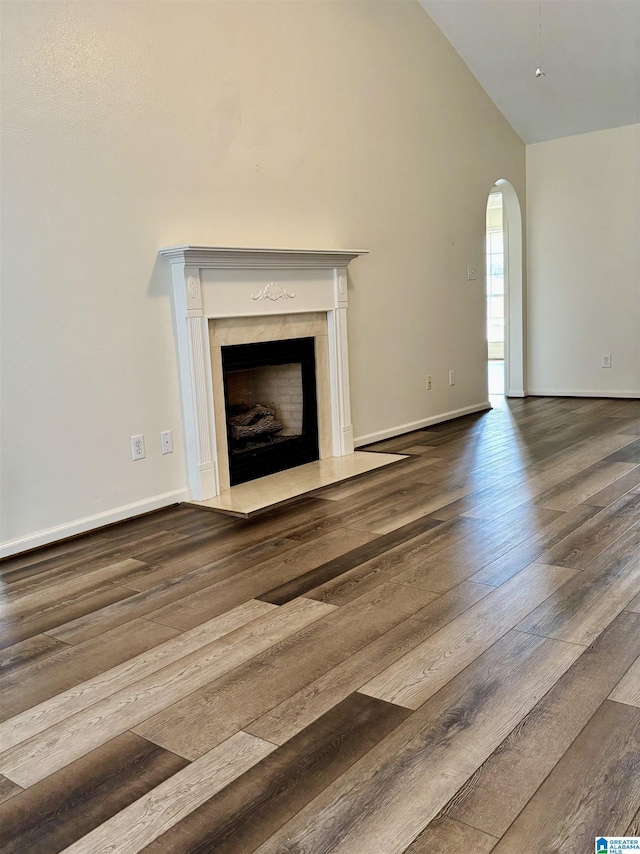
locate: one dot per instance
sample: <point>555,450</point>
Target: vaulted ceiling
<point>590,54</point>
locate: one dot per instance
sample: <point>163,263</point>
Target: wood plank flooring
<point>440,656</point>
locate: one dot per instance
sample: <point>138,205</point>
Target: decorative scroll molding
<point>192,287</point>
<point>273,291</point>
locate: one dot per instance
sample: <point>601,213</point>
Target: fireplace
<point>225,297</point>
<point>270,406</point>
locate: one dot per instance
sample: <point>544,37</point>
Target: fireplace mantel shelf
<point>247,258</point>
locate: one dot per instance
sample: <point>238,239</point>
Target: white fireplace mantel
<point>215,282</point>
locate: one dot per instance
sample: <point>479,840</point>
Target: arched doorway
<point>495,282</point>
<point>514,304</point>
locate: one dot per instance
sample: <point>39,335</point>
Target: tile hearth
<point>261,494</point>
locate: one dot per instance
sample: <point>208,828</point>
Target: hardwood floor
<point>439,656</point>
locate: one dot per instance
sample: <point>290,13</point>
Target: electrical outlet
<point>166,442</point>
<point>472,272</point>
<point>428,382</point>
<point>606,360</point>
<point>137,447</point>
<point>452,377</point>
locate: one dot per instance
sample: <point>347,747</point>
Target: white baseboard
<point>89,523</point>
<point>398,430</point>
<point>517,392</point>
<point>572,392</point>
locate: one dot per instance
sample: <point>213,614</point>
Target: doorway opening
<point>495,291</point>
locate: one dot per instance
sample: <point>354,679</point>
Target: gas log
<point>255,421</point>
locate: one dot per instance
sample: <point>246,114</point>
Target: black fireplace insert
<point>271,407</point>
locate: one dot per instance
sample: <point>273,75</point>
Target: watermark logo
<point>617,844</point>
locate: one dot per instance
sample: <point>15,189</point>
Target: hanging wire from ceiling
<point>539,71</point>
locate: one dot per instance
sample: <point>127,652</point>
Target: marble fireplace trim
<point>225,295</point>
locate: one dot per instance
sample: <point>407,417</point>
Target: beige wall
<point>130,126</point>
<point>583,214</point>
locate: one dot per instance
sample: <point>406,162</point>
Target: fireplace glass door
<point>271,407</point>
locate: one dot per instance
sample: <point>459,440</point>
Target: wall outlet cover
<point>137,448</point>
<point>166,442</point>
